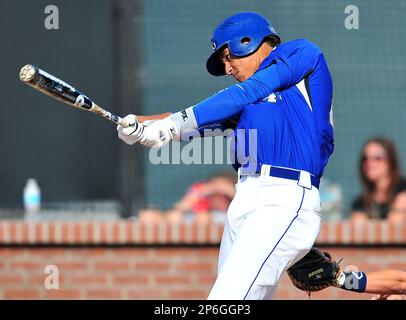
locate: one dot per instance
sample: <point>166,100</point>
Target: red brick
<point>340,233</point>
<point>9,252</point>
<point>378,233</point>
<point>86,252</point>
<point>143,232</point>
<point>152,266</point>
<point>88,279</point>
<point>404,233</point>
<point>129,231</point>
<point>51,232</point>
<point>207,229</point>
<point>188,294</point>
<point>173,280</point>
<point>65,233</point>
<point>364,233</point>
<point>62,294</point>
<point>105,232</point>
<point>10,279</point>
<point>25,233</point>
<point>195,267</point>
<point>392,233</point>
<point>90,233</point>
<point>282,294</point>
<point>347,295</point>
<point>112,266</point>
<point>71,266</point>
<point>194,232</point>
<point>132,252</point>
<point>155,233</point>
<point>169,232</point>
<point>397,266</point>
<point>38,233</point>
<point>209,252</point>
<point>47,252</point>
<point>220,232</point>
<point>172,252</point>
<point>182,232</point>
<point>207,279</point>
<point>116,232</point>
<point>27,266</point>
<point>146,294</point>
<point>13,232</point>
<point>21,294</point>
<point>34,280</point>
<point>130,280</point>
<point>323,233</point>
<point>77,232</point>
<point>104,294</point>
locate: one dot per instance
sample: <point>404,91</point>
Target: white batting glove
<point>156,134</point>
<point>150,133</point>
<point>132,133</point>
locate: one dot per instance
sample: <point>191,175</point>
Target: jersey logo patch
<point>271,97</point>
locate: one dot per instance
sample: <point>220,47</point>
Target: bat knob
<point>27,73</point>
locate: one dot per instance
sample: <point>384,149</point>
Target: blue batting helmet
<point>243,33</point>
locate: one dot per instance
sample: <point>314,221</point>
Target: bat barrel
<point>64,92</point>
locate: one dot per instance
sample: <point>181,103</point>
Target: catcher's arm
<point>386,282</point>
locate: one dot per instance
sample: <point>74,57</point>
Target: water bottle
<point>32,199</point>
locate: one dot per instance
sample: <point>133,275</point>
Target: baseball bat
<point>64,92</point>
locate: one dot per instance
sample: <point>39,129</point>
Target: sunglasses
<point>377,158</point>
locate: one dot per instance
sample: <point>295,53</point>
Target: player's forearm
<point>153,117</point>
<point>226,103</point>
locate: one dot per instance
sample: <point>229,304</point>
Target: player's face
<point>241,68</point>
<point>375,162</point>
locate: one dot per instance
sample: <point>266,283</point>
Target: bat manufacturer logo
<point>79,102</point>
<point>50,76</point>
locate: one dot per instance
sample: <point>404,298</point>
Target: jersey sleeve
<point>294,64</point>
<point>230,101</point>
<point>289,66</point>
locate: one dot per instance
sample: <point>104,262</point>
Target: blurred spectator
<point>331,200</point>
<point>383,185</point>
<point>207,200</point>
<point>150,216</point>
<point>202,202</point>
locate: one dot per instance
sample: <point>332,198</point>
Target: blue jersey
<point>287,103</point>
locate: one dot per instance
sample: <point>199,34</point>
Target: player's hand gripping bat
<point>64,92</point>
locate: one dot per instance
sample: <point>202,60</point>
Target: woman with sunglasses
<point>383,185</point>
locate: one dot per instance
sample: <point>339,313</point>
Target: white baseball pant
<point>271,223</point>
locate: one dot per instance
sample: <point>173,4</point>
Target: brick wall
<point>131,260</point>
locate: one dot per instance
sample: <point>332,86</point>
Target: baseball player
<point>283,99</point>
